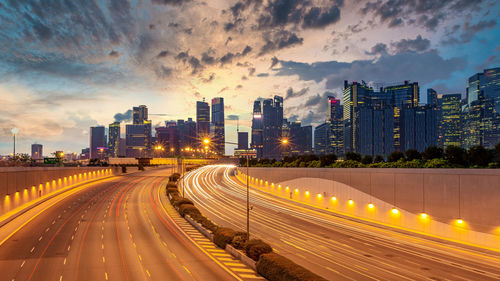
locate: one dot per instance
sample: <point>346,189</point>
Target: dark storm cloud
<point>315,18</point>
<point>114,54</point>
<point>378,49</point>
<point>290,93</point>
<point>163,54</point>
<point>207,58</point>
<point>227,58</point>
<point>262,74</point>
<point>278,40</point>
<point>399,67</point>
<point>469,31</point>
<point>171,2</point>
<point>314,100</point>
<point>274,62</point>
<point>247,50</point>
<point>123,117</point>
<point>163,71</point>
<point>418,44</point>
<point>426,13</point>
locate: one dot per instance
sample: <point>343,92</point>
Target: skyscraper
<point>322,138</point>
<point>36,151</point>
<point>481,112</point>
<point>355,95</point>
<point>168,138</point>
<point>138,140</point>
<point>242,140</point>
<point>187,133</point>
<point>257,129</point>
<point>218,125</point>
<point>114,138</point>
<point>139,114</point>
<point>335,117</point>
<point>272,110</point>
<point>450,119</point>
<point>97,142</point>
<point>202,120</point>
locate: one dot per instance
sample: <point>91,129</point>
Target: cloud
<point>316,18</point>
<point>114,54</point>
<point>279,40</point>
<point>397,67</point>
<point>170,2</point>
<point>227,58</point>
<point>163,54</point>
<point>312,101</point>
<point>290,93</point>
<point>418,44</point>
<point>262,74</point>
<point>247,50</point>
<point>223,90</point>
<point>232,117</point>
<point>274,62</point>
<point>469,31</point>
<point>378,49</point>
<point>123,117</point>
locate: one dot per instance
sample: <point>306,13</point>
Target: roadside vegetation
<point>432,157</point>
<point>269,264</point>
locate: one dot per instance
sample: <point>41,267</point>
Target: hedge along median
<point>270,265</point>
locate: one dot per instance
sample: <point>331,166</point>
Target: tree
<point>353,156</point>
<point>480,156</point>
<point>456,155</point>
<point>497,150</point>
<point>395,156</point>
<point>367,159</point>
<point>327,159</point>
<point>432,152</point>
<point>412,154</point>
<point>378,159</point>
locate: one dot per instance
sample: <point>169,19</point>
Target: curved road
<point>331,246</point>
<point>115,229</point>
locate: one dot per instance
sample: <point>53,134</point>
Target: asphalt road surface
<point>121,228</point>
<point>333,247</point>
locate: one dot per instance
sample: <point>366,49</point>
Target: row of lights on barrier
<point>59,181</point>
<point>371,206</point>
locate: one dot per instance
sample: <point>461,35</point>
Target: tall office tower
<point>138,139</point>
<point>97,141</point>
<point>300,138</point>
<point>451,106</point>
<point>418,128</point>
<point>335,117</point>
<point>36,151</point>
<point>168,138</point>
<point>432,97</point>
<point>202,120</point>
<point>374,130</point>
<point>114,138</point>
<point>355,95</point>
<point>322,138</point>
<point>242,140</point>
<point>272,125</point>
<point>139,114</point>
<point>85,153</point>
<point>481,112</point>
<point>218,125</point>
<point>257,129</point>
<point>402,96</point>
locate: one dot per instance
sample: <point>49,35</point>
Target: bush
<point>124,169</point>
<point>353,156</point>
<point>367,159</point>
<point>188,209</point>
<point>223,236</point>
<point>413,154</point>
<point>395,156</point>
<point>378,159</point>
<point>275,267</point>
<point>437,163</point>
<point>432,152</point>
<point>140,167</point>
<point>208,224</point>
<point>181,201</point>
<point>239,240</point>
<point>174,196</point>
<point>480,156</point>
<point>174,177</point>
<point>256,247</point>
<point>171,184</point>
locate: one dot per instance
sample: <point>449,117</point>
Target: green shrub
<point>188,209</point>
<point>275,267</point>
<point>208,224</point>
<point>239,240</point>
<point>171,184</point>
<point>182,201</point>
<point>256,247</point>
<point>223,236</point>
<point>437,163</point>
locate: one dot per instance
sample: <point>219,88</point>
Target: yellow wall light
<point>350,202</point>
<point>395,211</point>
<point>371,206</point>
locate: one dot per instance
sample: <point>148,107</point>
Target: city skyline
<point>68,89</point>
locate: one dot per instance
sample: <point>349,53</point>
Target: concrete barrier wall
<point>460,204</point>
<point>19,186</point>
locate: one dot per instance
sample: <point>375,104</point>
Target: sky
<point>68,65</point>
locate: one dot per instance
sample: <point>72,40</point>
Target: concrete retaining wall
<point>21,185</point>
<point>445,196</point>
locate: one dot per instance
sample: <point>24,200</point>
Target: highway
<point>121,228</point>
<point>331,246</point>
